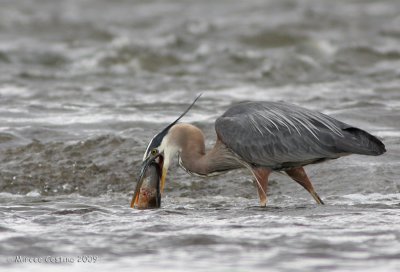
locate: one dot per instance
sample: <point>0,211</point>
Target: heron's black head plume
<point>157,139</point>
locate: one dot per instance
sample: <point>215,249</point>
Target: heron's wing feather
<point>280,135</point>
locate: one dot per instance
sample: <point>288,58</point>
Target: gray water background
<point>84,85</point>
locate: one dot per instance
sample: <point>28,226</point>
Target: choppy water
<point>84,85</point>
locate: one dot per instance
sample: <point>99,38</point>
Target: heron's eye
<point>154,151</point>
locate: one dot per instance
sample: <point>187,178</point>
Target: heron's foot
<point>316,197</point>
<point>263,201</point>
<point>300,176</point>
<point>261,180</point>
<point>262,194</point>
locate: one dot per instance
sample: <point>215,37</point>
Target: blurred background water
<point>84,85</point>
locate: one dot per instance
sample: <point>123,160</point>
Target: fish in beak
<point>147,194</point>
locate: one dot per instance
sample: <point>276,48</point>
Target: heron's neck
<point>194,157</point>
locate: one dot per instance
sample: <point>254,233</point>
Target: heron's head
<point>161,149</point>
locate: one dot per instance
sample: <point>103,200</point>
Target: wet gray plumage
<point>281,136</point>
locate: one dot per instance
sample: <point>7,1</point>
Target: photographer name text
<point>54,259</point>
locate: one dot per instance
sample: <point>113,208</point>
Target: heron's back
<point>280,135</point>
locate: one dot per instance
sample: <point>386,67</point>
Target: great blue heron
<point>262,137</point>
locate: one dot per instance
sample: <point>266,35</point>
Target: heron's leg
<point>261,175</point>
<point>300,176</point>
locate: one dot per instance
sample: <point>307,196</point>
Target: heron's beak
<point>163,176</point>
<point>159,161</point>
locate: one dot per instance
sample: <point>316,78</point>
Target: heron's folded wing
<point>276,134</point>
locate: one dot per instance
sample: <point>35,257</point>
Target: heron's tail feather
<point>361,142</point>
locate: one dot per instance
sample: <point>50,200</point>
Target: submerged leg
<point>300,176</point>
<point>261,175</point>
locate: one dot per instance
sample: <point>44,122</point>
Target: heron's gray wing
<point>280,135</point>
